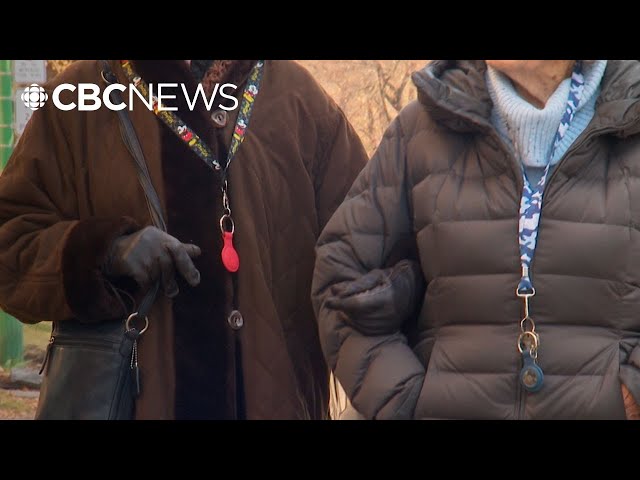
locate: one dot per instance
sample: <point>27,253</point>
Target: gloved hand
<point>150,254</point>
<point>379,302</point>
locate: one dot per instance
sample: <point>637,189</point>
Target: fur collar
<point>221,71</point>
<point>207,385</point>
<point>177,71</point>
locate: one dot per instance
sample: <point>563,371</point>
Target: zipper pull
<point>46,354</point>
<point>135,380</point>
<point>135,371</point>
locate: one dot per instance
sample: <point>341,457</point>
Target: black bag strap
<point>153,201</point>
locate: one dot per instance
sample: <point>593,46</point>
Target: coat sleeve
<point>380,373</point>
<point>50,259</point>
<point>343,157</point>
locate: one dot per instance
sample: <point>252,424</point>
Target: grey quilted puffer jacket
<point>415,277</point>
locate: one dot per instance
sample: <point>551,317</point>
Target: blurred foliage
<point>370,92</point>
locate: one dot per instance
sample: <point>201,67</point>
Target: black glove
<point>150,254</point>
<point>379,302</point>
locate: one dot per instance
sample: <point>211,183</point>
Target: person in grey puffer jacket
<point>437,298</point>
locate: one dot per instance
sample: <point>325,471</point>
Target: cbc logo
<point>34,96</point>
<point>89,97</point>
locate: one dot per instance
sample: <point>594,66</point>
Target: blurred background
<point>370,92</point>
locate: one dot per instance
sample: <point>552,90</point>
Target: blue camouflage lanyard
<point>530,209</point>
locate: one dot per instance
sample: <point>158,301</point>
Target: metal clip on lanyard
<point>531,375</point>
<point>229,255</point>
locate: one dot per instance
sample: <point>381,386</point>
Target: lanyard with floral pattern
<point>229,255</point>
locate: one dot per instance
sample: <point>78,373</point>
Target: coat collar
<point>177,71</point>
<point>220,71</point>
<point>456,95</point>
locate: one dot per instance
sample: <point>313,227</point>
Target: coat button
<point>235,320</point>
<point>220,118</point>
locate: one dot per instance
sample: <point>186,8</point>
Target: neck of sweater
<point>531,131</point>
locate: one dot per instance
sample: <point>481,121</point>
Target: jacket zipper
<point>521,395</point>
<point>577,145</point>
<point>518,168</point>
<point>522,399</point>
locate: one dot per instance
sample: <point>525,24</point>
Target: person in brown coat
<point>434,301</point>
<point>75,238</point>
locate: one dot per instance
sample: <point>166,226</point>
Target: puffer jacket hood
<point>455,94</point>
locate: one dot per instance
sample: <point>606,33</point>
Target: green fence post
<point>11,340</point>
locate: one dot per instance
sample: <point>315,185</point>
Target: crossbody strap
<point>153,201</point>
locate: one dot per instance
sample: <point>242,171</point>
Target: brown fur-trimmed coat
<point>70,188</point>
